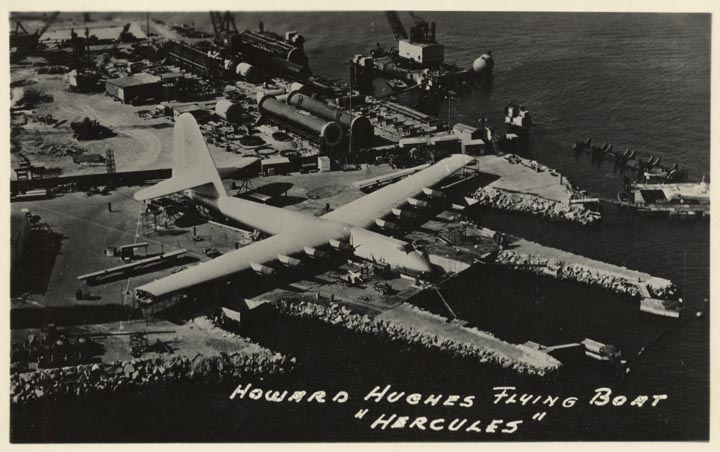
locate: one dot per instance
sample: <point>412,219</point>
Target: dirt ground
<point>140,144</point>
<point>88,229</point>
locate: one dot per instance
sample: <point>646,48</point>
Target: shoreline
<point>85,379</point>
<point>458,341</point>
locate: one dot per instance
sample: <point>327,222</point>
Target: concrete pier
<point>520,185</point>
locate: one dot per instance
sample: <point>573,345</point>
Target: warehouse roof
<point>275,161</point>
<point>172,75</point>
<point>444,138</point>
<point>142,78</point>
<point>465,128</point>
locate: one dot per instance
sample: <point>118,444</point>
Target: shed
<point>134,89</point>
<point>323,163</point>
<point>275,165</point>
<point>466,132</point>
<point>409,143</point>
<point>473,147</point>
<point>200,114</point>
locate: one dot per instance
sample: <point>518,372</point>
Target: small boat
<point>396,84</point>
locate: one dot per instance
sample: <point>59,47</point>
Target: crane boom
<point>48,23</point>
<point>396,25</point>
<point>223,25</point>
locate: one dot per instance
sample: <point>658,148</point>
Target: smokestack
<point>432,31</point>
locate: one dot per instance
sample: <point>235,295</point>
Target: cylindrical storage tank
<point>247,72</point>
<point>329,132</point>
<point>229,111</point>
<point>359,127</point>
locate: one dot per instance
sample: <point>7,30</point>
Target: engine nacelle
<point>314,252</point>
<point>434,194</point>
<point>403,214</point>
<point>386,225</point>
<point>261,269</point>
<point>417,203</point>
<point>340,245</point>
<point>396,254</point>
<point>288,261</point>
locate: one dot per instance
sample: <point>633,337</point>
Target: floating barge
<point>676,201</point>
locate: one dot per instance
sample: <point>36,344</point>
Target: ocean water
<point>633,80</point>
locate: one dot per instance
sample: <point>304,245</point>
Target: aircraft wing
<point>364,211</point>
<point>254,255</point>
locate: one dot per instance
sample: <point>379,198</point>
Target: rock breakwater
<point>615,282</point>
<point>408,333</point>
<point>535,205</point>
<point>139,373</point>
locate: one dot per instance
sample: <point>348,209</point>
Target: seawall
<point>526,203</point>
<point>411,325</point>
<point>142,373</point>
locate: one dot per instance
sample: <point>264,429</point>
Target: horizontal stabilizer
<point>170,186</point>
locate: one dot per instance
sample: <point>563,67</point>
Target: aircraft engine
<point>288,261</point>
<point>262,270</point>
<point>434,194</point>
<point>314,252</point>
<point>386,225</point>
<point>417,203</point>
<point>340,245</point>
<point>403,214</point>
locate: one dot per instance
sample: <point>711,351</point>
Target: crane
<point>22,40</point>
<point>105,55</point>
<point>396,25</point>
<point>421,31</point>
<point>223,25</point>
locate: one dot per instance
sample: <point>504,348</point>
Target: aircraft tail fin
<point>193,167</point>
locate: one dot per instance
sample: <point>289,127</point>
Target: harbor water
<point>633,80</point>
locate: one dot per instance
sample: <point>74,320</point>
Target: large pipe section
<point>229,111</point>
<point>359,127</point>
<point>270,44</point>
<point>329,132</point>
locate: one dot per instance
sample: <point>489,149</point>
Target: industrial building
<point>474,147</point>
<point>275,165</point>
<point>134,89</point>
<point>466,132</point>
<point>445,145</point>
<point>421,52</point>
